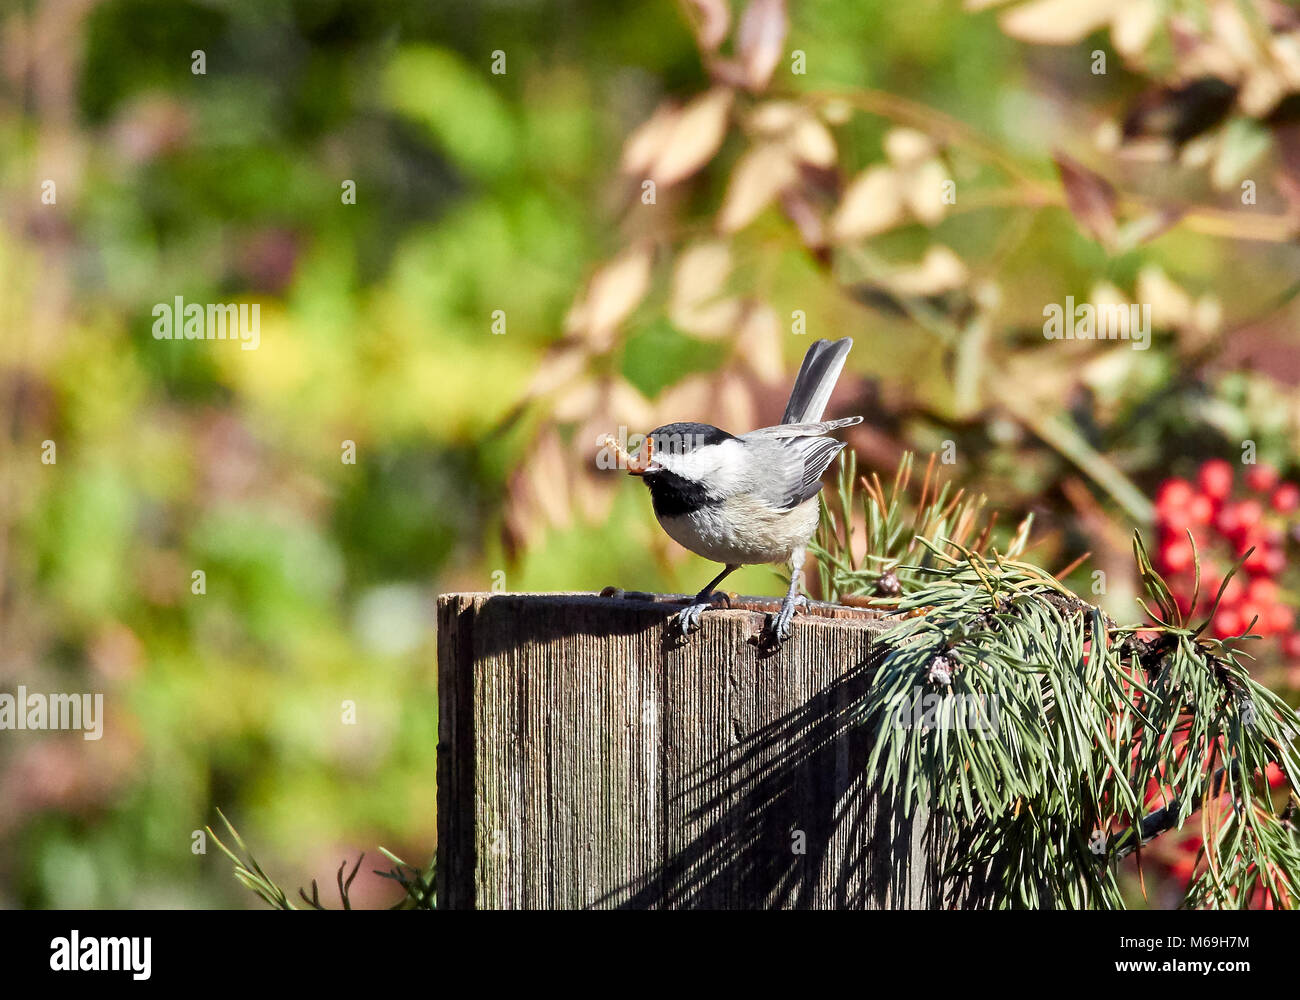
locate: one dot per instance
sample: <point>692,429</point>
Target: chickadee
<point>752,498</point>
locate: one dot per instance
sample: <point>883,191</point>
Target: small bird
<point>751,498</point>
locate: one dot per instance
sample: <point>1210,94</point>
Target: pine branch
<point>418,886</point>
<point>1075,713</point>
<point>1155,823</point>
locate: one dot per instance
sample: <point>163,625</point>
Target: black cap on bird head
<point>679,438</point>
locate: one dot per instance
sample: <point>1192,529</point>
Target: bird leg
<point>782,626</point>
<point>688,619</point>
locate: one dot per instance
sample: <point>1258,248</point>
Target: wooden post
<point>586,759</point>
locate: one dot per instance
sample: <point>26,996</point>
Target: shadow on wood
<point>587,759</point>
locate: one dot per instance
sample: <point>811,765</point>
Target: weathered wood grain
<point>586,759</point>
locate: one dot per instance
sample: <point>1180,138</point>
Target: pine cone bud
<point>941,670</point>
<point>887,585</point>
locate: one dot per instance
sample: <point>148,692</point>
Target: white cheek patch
<point>720,466</point>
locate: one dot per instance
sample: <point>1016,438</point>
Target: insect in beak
<point>638,464</point>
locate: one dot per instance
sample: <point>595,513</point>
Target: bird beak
<point>638,464</point>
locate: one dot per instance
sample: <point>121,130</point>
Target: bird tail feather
<point>817,377</point>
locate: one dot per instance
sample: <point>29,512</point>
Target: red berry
<point>1228,523</point>
<point>1261,477</point>
<point>1227,622</point>
<point>1257,562</point>
<point>1286,498</point>
<point>1274,562</point>
<point>1176,555</point>
<point>1173,494</point>
<point>1280,619</point>
<point>1215,479</point>
<point>1174,523</point>
<point>1248,514</point>
<point>1262,591</point>
<point>1255,618</point>
<point>1291,646</point>
<point>1200,509</point>
<point>1232,593</point>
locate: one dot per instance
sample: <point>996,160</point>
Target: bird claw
<point>780,625</point>
<point>688,619</point>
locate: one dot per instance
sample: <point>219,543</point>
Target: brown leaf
<point>907,147</point>
<point>923,191</point>
<point>701,271</point>
<point>561,365</point>
<point>577,402</point>
<point>757,179</point>
<point>939,271</point>
<point>1058,22</point>
<point>760,40</point>
<point>1091,199</point>
<point>1171,306</point>
<point>1287,138</point>
<point>872,203</point>
<point>799,129</point>
<point>594,495</point>
<point>632,408</point>
<point>648,140</point>
<point>695,136</point>
<point>799,210</point>
<point>689,399</point>
<point>1148,226</point>
<point>615,290</point>
<point>1134,25</point>
<point>812,142</point>
<point>759,343</point>
<point>696,303</point>
<point>522,525</point>
<point>550,477</point>
<point>711,18</point>
<point>734,403</point>
<point>774,118</point>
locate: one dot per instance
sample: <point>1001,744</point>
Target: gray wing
<point>803,430</point>
<point>789,467</point>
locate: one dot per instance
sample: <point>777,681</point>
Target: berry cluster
<point>1225,528</point>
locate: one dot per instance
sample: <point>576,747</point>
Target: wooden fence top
<point>589,757</point>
